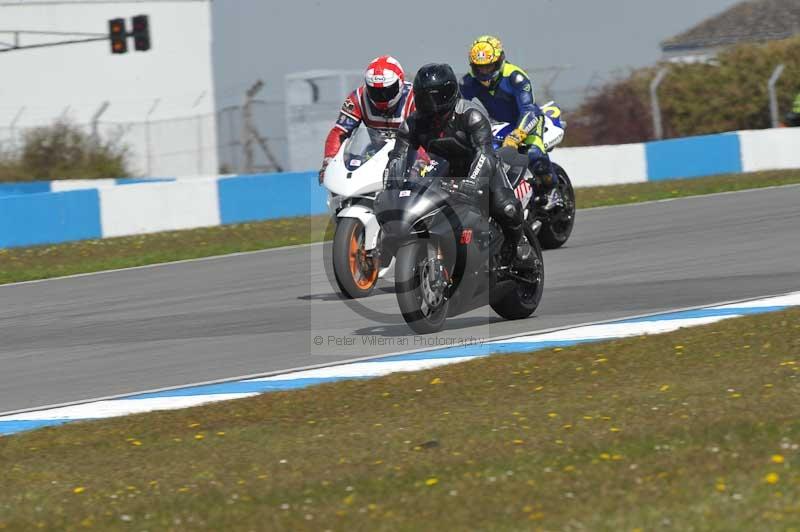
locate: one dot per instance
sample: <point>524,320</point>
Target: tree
<point>64,150</point>
<point>729,94</point>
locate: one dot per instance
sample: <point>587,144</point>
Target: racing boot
<point>512,249</point>
<point>553,200</point>
<point>546,181</point>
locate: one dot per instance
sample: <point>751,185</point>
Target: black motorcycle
<point>448,255</point>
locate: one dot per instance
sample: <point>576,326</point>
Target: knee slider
<point>541,166</point>
<point>543,174</point>
<point>544,181</point>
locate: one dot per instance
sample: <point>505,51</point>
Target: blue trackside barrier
<point>693,157</point>
<point>38,187</point>
<point>140,180</point>
<point>269,196</point>
<point>16,189</point>
<point>45,212</point>
<point>49,218</point>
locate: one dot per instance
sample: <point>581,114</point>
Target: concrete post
<point>96,119</point>
<point>247,134</point>
<point>658,126</point>
<point>773,96</point>
<point>147,142</point>
<point>12,128</point>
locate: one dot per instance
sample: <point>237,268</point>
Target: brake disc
<point>433,283</point>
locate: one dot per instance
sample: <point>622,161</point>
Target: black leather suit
<point>464,140</point>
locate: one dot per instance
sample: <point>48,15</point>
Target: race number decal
<point>552,111</point>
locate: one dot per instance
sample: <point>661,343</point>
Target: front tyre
<point>356,273</point>
<point>555,231</point>
<point>523,300</point>
<point>418,287</point>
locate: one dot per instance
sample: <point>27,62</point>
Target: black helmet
<point>435,89</point>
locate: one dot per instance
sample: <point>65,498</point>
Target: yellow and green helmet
<point>486,59</point>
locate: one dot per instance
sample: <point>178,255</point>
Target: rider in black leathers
<point>455,130</point>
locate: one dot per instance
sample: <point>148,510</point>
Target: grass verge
<point>680,188</point>
<point>40,262</point>
<point>693,430</point>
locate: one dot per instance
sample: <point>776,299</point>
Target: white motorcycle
<point>354,177</point>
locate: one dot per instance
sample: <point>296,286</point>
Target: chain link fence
<point>270,124</point>
<point>281,135</point>
<point>203,144</point>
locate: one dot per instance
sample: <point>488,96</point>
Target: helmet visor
<point>438,99</point>
<point>383,94</point>
<point>486,72</point>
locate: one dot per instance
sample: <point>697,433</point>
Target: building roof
<point>749,21</point>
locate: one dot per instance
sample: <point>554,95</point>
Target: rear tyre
<point>523,300</point>
<point>555,232</point>
<point>355,272</point>
<point>412,266</point>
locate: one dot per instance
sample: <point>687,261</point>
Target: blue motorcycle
<point>555,225</point>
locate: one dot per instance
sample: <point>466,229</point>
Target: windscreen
<point>361,146</point>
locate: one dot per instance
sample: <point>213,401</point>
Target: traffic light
<point>118,36</point>
<point>141,33</point>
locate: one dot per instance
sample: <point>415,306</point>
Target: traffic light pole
<point>117,35</point>
<point>16,48</point>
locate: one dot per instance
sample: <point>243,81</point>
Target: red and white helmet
<point>384,82</point>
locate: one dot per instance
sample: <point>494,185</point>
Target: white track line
<point>276,374</point>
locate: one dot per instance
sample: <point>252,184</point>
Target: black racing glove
<point>469,187</point>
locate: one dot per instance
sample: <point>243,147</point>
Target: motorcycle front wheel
<point>356,273</point>
<point>422,302</point>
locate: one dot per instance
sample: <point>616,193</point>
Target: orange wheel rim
<point>363,270</point>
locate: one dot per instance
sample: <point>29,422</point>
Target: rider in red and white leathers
<point>383,103</point>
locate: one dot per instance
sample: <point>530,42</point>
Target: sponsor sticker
<point>476,172</point>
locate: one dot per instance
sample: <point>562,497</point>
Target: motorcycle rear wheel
<point>409,266</point>
<point>356,274</point>
<point>523,300</point>
<point>555,231</point>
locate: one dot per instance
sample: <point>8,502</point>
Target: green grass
<point>693,430</point>
<point>40,262</point>
<point>680,188</point>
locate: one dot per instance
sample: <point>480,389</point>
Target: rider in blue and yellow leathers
<point>505,90</point>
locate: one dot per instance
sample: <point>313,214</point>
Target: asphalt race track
<point>117,332</point>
